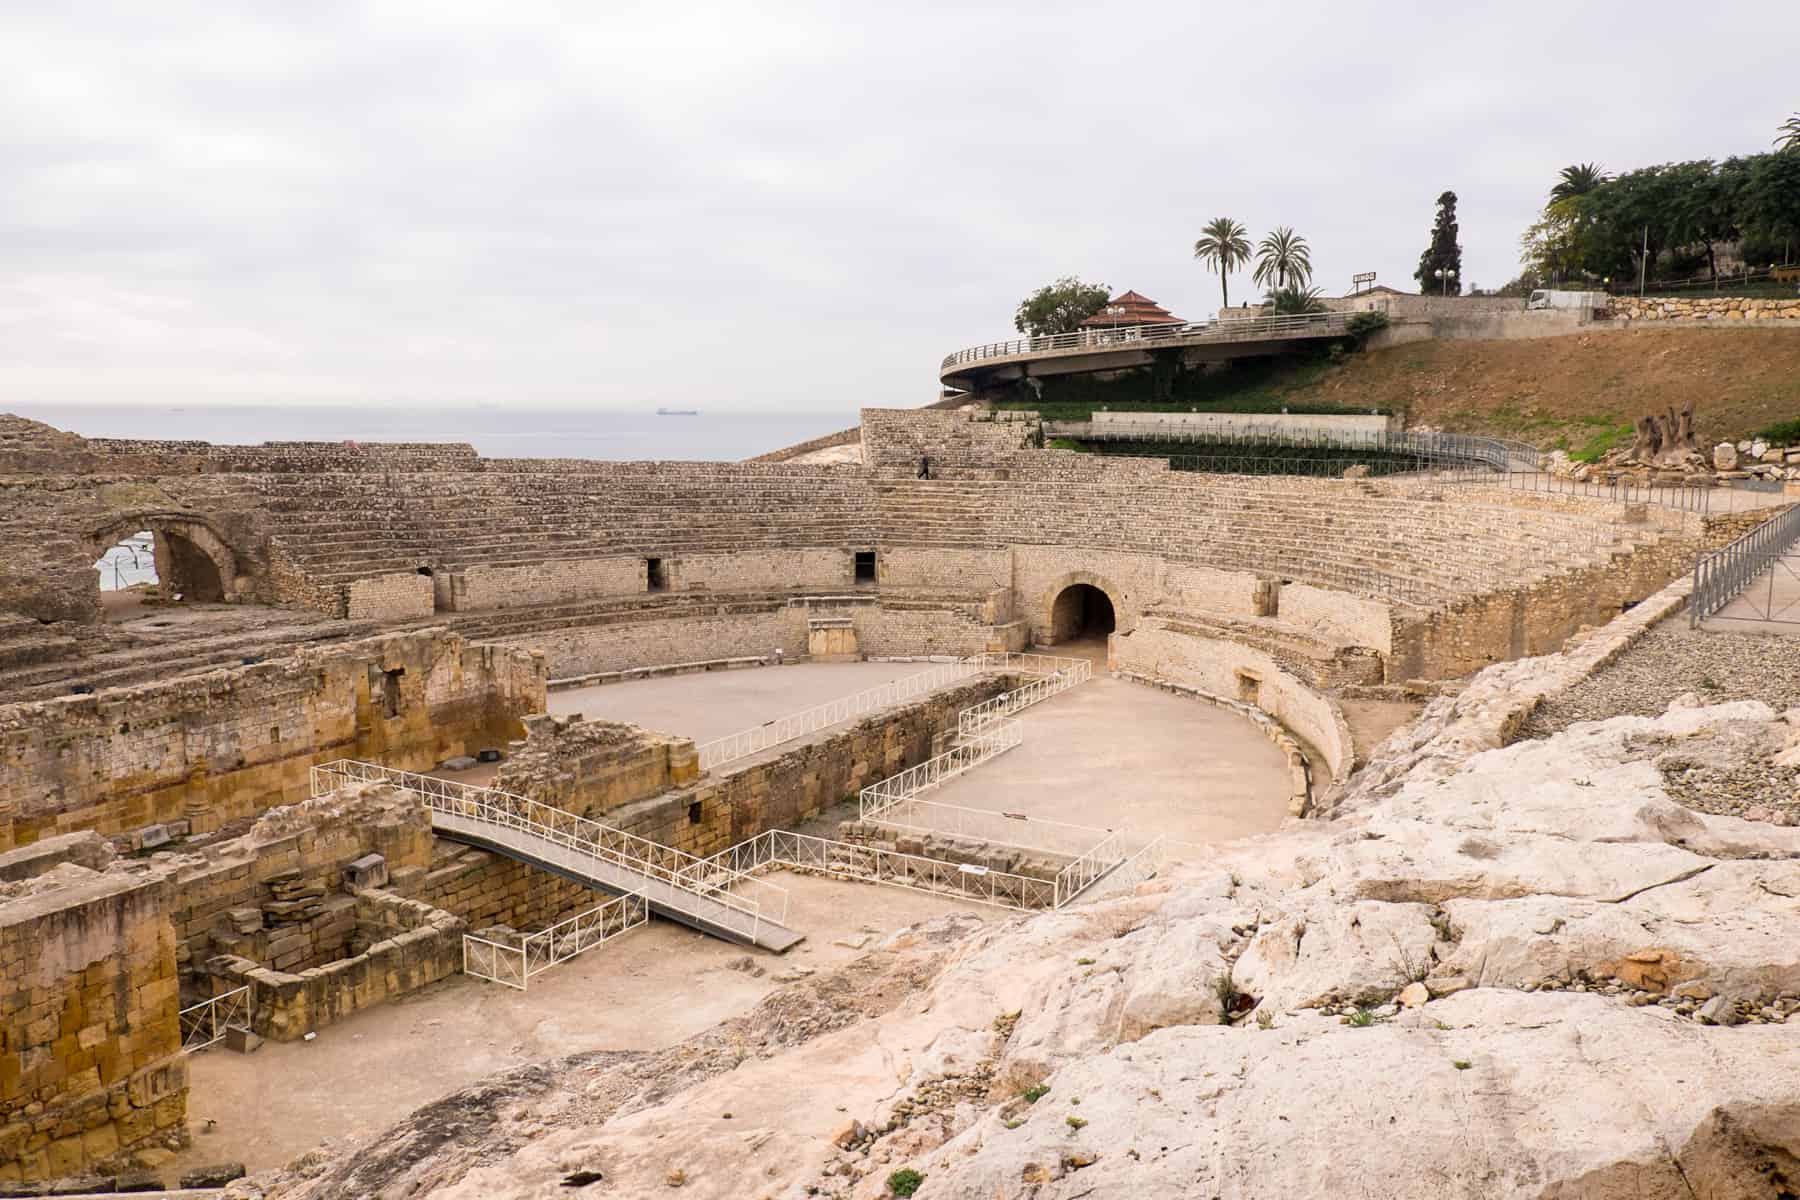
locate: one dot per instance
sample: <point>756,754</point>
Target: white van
<point>1550,298</point>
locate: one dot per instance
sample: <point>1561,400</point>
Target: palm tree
<point>1790,134</point>
<point>1577,180</point>
<point>1283,257</point>
<point>1224,245</point>
<point>1295,300</point>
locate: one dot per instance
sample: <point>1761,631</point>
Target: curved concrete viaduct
<point>980,367</point>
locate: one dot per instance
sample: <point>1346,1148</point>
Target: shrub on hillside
<point>1783,433</point>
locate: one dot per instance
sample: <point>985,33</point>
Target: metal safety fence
<point>1745,495</point>
<point>208,1022</point>
<point>1721,575</point>
<point>535,953</point>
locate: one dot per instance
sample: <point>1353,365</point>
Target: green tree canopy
<point>1060,307</point>
<point>1295,299</point>
<point>1283,258</point>
<point>1443,254</point>
<point>1789,134</point>
<point>1577,180</point>
<point>1224,245</point>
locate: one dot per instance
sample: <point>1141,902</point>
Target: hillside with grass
<point>1581,392</point>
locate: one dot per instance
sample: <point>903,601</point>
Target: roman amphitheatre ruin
<point>929,810</point>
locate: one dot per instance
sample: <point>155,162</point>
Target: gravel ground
<point>1730,775</point>
<point>1671,660</point>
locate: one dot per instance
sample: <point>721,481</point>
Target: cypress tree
<point>1443,252</point>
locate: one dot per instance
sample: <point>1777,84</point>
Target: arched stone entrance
<point>1081,612</point>
<point>192,560</point>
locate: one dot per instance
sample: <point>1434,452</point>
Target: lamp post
<point>1115,311</point>
<point>1445,274</point>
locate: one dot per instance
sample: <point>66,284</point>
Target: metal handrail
<point>504,810</point>
<point>1427,446</point>
<point>1685,497</point>
<point>1123,336</point>
<point>1015,831</point>
<point>1721,574</point>
<point>207,1022</point>
<point>999,737</point>
<point>538,952</point>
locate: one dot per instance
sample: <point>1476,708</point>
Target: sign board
<point>1357,280</point>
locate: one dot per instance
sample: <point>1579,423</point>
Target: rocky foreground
<point>1494,972</point>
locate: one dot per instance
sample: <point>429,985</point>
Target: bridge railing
<point>1125,337</point>
<point>207,1022</point>
<point>1721,575</point>
<point>505,811</point>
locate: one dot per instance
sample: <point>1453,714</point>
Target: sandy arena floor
<point>652,987</point>
<point>1114,754</point>
<point>711,704</point>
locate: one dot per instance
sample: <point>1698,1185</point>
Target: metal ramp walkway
<point>699,893</point>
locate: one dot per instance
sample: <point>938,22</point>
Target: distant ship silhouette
<point>677,412</point>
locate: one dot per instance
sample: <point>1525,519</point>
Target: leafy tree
<point>1283,257</point>
<point>1790,134</point>
<point>1444,253</point>
<point>1295,299</point>
<point>1060,307</point>
<point>1577,180</point>
<point>1224,245</point>
<point>1769,198</point>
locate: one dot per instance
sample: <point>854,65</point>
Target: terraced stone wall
<point>210,748</point>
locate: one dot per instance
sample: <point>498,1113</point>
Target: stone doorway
<point>1081,612</point>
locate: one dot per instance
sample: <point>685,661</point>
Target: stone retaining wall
<point>210,748</point>
<point>1704,308</point>
<point>90,1061</point>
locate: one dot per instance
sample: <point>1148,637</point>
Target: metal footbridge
<point>702,894</point>
<point>1110,349</point>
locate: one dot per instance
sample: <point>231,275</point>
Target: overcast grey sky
<point>768,206</point>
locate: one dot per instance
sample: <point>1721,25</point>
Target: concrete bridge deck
<point>1134,345</point>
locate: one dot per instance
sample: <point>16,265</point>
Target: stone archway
<point>1081,607</point>
<point>192,560</point>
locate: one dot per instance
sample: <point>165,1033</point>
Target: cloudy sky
<point>764,206</point>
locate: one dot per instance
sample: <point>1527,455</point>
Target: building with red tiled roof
<point>1130,308</point>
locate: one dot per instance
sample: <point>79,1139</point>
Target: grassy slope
<point>1582,389</point>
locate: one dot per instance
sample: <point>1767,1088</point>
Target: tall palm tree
<point>1283,257</point>
<point>1225,246</point>
<point>1790,134</point>
<point>1577,180</point>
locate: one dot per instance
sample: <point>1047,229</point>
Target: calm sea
<point>495,432</point>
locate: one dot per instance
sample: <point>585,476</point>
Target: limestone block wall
<point>547,582</point>
<point>481,889</point>
<point>1132,581</point>
<point>400,596</point>
<point>1338,615</point>
<point>782,790</point>
<point>593,767</point>
<point>1704,308</point>
<point>413,945</point>
<point>960,442</point>
<point>949,569</point>
<point>1231,593</point>
<point>211,748</point>
<point>763,570</point>
<point>896,631</point>
<point>1241,673</point>
<point>90,1060</point>
<point>590,649</point>
<point>308,843</point>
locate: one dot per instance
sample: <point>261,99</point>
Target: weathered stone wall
<point>400,596</point>
<point>781,790</point>
<point>1161,650</point>
<point>1704,308</point>
<point>210,748</point>
<point>591,649</point>
<point>547,582</point>
<point>90,1060</point>
<point>482,889</point>
<point>1355,620</point>
<point>591,768</point>
<point>411,945</point>
<point>961,443</point>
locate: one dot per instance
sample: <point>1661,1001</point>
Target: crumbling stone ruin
<point>1458,928</point>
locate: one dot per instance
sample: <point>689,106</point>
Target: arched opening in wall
<point>187,571</point>
<point>1081,612</point>
<point>127,572</point>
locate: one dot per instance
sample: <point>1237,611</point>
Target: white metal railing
<point>577,838</point>
<point>997,738</point>
<point>536,953</point>
<point>822,716</point>
<point>762,737</point>
<point>1073,879</point>
<point>1136,868</point>
<point>972,720</point>
<point>1123,336</point>
<point>205,1023</point>
<point>778,848</point>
